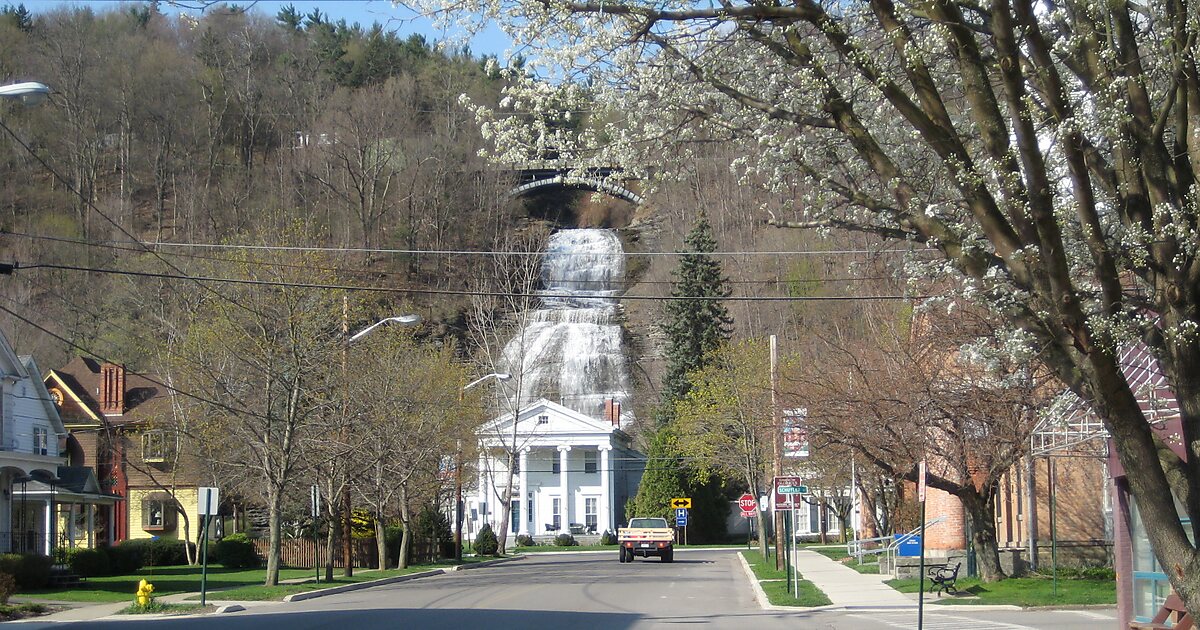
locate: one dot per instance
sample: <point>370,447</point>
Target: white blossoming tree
<point>1048,151</point>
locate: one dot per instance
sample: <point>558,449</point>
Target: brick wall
<point>949,534</point>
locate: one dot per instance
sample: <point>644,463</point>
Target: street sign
<point>786,489</point>
<point>748,504</point>
<point>921,481</point>
<point>681,517</point>
<point>684,502</point>
<point>314,501</point>
<point>208,502</point>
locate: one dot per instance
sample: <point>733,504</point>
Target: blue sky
<point>365,12</point>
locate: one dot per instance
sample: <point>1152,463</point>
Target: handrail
<point>893,548</point>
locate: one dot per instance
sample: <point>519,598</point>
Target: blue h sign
<point>681,517</point>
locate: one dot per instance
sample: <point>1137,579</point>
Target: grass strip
<point>774,584</point>
<point>161,608</point>
<point>838,554</point>
<point>1024,592</point>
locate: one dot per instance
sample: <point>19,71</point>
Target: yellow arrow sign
<point>682,502</point>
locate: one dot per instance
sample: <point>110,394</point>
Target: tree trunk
<point>406,535</point>
<point>822,516</point>
<point>981,516</point>
<point>274,516</point>
<point>381,543</point>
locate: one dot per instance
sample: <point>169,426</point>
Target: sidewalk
<point>846,587</point>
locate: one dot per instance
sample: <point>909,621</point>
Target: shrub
<point>122,559</point>
<point>31,571</point>
<point>160,552</point>
<point>608,538</point>
<point>8,586</point>
<point>89,562</point>
<point>236,551</point>
<point>486,543</point>
<point>525,540</point>
<point>565,540</point>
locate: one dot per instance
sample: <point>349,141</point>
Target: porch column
<point>526,514</point>
<point>49,531</point>
<point>604,518</point>
<point>91,525</point>
<point>71,525</point>
<point>564,487</point>
<point>111,531</point>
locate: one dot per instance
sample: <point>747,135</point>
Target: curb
<point>228,608</point>
<point>765,604</point>
<point>487,563</point>
<point>346,588</point>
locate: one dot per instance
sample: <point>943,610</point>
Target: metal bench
<point>944,577</point>
<point>1172,610</point>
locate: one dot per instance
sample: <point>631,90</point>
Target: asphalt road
<point>580,591</point>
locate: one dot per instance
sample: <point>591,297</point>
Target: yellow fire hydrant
<point>143,593</point>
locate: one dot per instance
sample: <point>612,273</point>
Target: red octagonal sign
<point>748,504</point>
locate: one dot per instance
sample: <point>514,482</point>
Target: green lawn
<point>258,592</point>
<point>838,554</point>
<point>774,584</point>
<point>186,579</point>
<point>1025,592</point>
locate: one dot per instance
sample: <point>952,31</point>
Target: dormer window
<point>41,441</point>
<point>156,446</point>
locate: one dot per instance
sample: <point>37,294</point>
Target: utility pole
<point>777,441</point>
<point>347,516</point>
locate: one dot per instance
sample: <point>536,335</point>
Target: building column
<point>564,487</point>
<point>523,497</point>
<point>604,518</point>
<point>91,525</point>
<point>71,525</point>
<point>46,549</point>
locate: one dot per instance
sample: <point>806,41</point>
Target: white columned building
<point>575,473</point>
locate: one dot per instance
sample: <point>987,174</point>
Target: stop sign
<point>748,504</point>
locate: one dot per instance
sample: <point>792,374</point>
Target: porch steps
<point>63,576</point>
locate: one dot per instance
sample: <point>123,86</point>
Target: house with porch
<point>122,427</point>
<point>573,473</point>
<point>36,487</point>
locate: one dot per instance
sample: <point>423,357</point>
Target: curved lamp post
<point>458,506</point>
<point>347,516</point>
<point>29,93</point>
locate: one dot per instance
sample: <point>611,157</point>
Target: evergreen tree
<point>695,326</point>
<point>661,481</point>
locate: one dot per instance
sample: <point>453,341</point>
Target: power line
<point>374,272</point>
<point>420,291</point>
<point>477,252</point>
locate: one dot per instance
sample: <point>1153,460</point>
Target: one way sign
<point>683,502</point>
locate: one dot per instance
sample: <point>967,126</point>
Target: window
<point>556,466</point>
<point>516,461</point>
<point>589,461</point>
<point>156,446</point>
<point>590,518</point>
<point>515,515</point>
<point>556,510</point>
<point>529,512</point>
<point>543,419</point>
<point>158,513</point>
<point>41,441</point>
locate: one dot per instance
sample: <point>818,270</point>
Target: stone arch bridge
<point>546,173</point>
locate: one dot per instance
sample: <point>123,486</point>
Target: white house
<point>573,475</point>
<point>31,439</point>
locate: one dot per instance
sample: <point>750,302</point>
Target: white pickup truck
<point>646,537</point>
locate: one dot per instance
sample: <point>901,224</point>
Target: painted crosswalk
<point>938,621</point>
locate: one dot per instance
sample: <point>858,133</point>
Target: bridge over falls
<point>545,173</point>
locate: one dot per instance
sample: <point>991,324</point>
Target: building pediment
<point>544,418</point>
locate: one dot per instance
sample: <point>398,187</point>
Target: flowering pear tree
<point>1046,151</point>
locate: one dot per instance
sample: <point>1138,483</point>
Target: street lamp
<point>458,507</point>
<point>29,93</point>
<point>347,516</point>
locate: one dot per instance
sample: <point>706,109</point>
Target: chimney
<point>612,411</point>
<point>112,389</point>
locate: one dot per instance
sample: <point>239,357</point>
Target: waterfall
<point>569,350</point>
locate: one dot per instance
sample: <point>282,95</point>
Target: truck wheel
<point>668,555</point>
<point>623,557</point>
